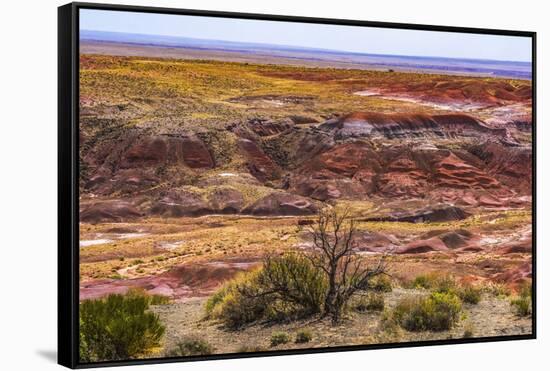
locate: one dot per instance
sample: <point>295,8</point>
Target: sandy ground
<point>491,317</point>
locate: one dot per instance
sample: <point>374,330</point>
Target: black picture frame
<point>68,166</point>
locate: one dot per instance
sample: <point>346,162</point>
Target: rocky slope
<point>293,169</point>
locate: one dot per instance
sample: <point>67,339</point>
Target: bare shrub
<point>346,272</point>
<point>301,284</point>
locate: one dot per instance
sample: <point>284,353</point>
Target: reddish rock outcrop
<point>391,126</point>
<point>345,159</point>
<point>264,127</point>
<point>178,203</point>
<point>186,280</point>
<point>456,93</point>
<point>511,165</point>
<point>423,246</point>
<point>108,211</point>
<point>435,214</point>
<point>305,145</point>
<point>258,163</point>
<point>280,203</point>
<point>516,275</point>
<point>487,200</point>
<point>325,185</point>
<point>155,150</point>
<point>343,171</point>
<point>226,201</point>
<point>373,242</point>
<point>454,172</point>
<point>456,239</point>
<point>357,170</point>
<point>520,247</point>
<point>403,178</point>
<point>124,181</point>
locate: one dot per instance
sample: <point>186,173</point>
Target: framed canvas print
<point>237,185</point>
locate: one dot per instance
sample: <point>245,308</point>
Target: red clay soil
<point>258,163</point>
<point>410,125</point>
<point>188,280</point>
<point>108,211</point>
<point>423,246</point>
<point>454,172</point>
<point>344,159</point>
<point>440,89</point>
<point>176,203</point>
<point>265,128</point>
<point>511,165</point>
<point>281,203</point>
<point>152,151</point>
<point>437,88</point>
<point>518,275</point>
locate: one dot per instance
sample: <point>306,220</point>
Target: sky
<point>369,40</point>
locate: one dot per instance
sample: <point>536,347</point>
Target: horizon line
<point>307,47</point>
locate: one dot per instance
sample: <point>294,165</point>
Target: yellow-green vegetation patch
<point>213,92</point>
<point>355,208</point>
<point>250,192</point>
<point>501,220</point>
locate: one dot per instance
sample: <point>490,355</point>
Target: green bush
<point>444,283</point>
<point>423,281</point>
<point>154,299</point>
<point>278,338</point>
<point>436,312</point>
<point>84,350</point>
<point>240,301</point>
<point>286,286</point>
<point>118,327</point>
<point>304,336</point>
<point>523,304</point>
<point>470,294</point>
<point>295,281</point>
<point>191,347</point>
<point>216,299</point>
<point>159,300</point>
<point>372,302</point>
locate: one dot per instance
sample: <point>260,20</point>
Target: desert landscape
<point>198,166</point>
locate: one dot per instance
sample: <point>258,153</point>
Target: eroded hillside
<point>192,170</point>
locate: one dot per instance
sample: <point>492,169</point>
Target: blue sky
<point>344,38</point>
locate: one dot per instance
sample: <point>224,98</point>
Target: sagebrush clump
<point>118,327</point>
<point>303,336</point>
<point>444,283</point>
<point>470,294</point>
<point>287,286</point>
<point>191,347</point>
<point>294,285</point>
<point>278,338</point>
<point>436,312</point>
<point>523,303</point>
